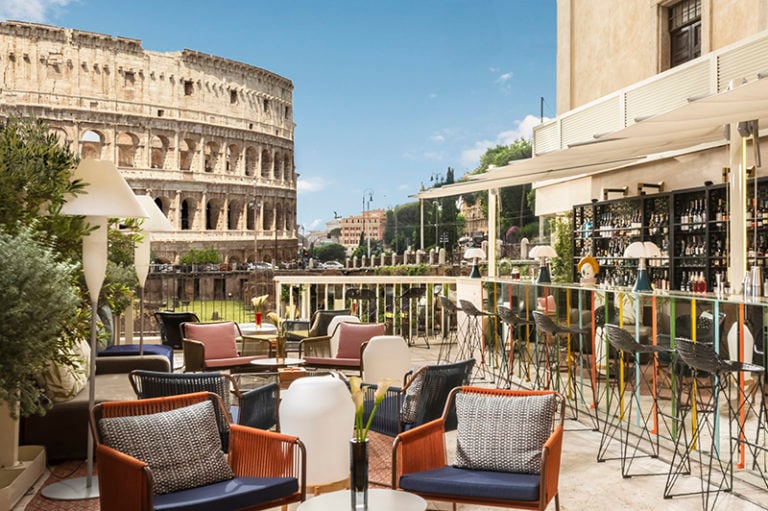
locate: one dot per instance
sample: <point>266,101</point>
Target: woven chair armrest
<point>418,449</point>
<point>310,346</point>
<point>259,453</point>
<point>550,463</point>
<point>194,355</point>
<point>125,483</point>
<point>255,345</point>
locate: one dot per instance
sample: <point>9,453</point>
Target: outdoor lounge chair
<point>213,346</point>
<point>256,408</point>
<point>420,400</point>
<point>509,444</point>
<point>168,456</point>
<point>352,339</point>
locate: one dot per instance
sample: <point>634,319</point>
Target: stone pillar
<point>394,259</point>
<point>441,257</point>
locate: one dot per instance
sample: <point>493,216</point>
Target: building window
<point>233,97</point>
<point>684,31</point>
<point>189,86</point>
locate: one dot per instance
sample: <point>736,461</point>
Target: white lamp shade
<point>320,411</point>
<point>106,193</point>
<point>474,253</point>
<point>141,260</point>
<point>542,252</point>
<point>95,256</point>
<point>642,250</point>
<point>156,221</point>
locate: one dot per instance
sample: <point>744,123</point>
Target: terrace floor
<point>584,483</point>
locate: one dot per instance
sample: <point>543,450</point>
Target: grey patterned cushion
<point>182,446</point>
<point>503,434</point>
<point>411,400</point>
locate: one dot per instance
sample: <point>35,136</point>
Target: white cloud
<point>437,137</point>
<point>504,78</point>
<point>432,95</point>
<point>470,158</point>
<point>314,224</point>
<point>38,11</point>
<point>503,81</point>
<point>311,184</point>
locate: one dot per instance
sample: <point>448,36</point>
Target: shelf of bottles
<point>757,224</point>
<point>605,230</point>
<point>690,227</point>
<point>656,210</point>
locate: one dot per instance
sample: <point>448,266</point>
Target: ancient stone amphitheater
<point>210,139</point>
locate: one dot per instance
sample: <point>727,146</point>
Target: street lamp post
<point>367,196</point>
<point>436,204</point>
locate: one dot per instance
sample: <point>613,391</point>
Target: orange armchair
<point>268,469</point>
<point>525,476</point>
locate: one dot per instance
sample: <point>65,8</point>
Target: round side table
<point>379,499</point>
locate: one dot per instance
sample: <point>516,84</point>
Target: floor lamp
<point>155,222</point>
<point>106,195</point>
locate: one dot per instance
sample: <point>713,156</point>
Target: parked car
<point>333,265</point>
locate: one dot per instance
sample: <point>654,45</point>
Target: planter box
<point>15,481</point>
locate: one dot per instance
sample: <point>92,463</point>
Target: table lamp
<point>642,250</point>
<point>474,253</point>
<point>542,253</point>
<point>106,195</point>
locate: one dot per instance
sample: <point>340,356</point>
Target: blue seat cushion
<point>133,349</point>
<point>461,482</point>
<point>231,495</point>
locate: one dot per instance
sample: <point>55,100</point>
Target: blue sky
<point>386,93</point>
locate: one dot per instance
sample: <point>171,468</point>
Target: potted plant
<point>39,299</point>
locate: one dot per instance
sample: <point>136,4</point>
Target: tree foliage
<point>201,256</point>
<point>38,298</point>
<point>517,202</point>
<point>329,252</point>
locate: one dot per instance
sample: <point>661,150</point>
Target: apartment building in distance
<point>369,225</point>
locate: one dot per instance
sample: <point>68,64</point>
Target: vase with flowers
<point>358,446</point>
<point>258,308</point>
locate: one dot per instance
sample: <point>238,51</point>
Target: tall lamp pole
<point>367,195</point>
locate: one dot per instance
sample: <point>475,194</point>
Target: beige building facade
<point>619,63</point>
<point>210,139</point>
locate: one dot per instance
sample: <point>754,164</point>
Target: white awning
<point>701,124</point>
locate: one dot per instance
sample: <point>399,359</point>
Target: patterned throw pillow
<point>503,434</point>
<point>411,400</point>
<point>63,382</point>
<point>182,446</point>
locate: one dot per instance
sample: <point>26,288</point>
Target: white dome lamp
<point>542,253</point>
<point>642,250</point>
<point>474,253</point>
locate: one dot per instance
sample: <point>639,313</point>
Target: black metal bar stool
<point>642,360</point>
<point>516,345</point>
<point>705,364</point>
<point>450,329</point>
<point>473,339</point>
<point>556,340</point>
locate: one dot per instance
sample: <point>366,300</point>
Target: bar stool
<point>704,362</point>
<point>450,329</point>
<point>556,338</point>
<point>630,355</point>
<point>473,338</point>
<point>514,323</point>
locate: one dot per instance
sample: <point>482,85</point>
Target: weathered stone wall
<point>209,138</point>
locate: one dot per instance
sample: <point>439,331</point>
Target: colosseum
<point>210,139</point>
